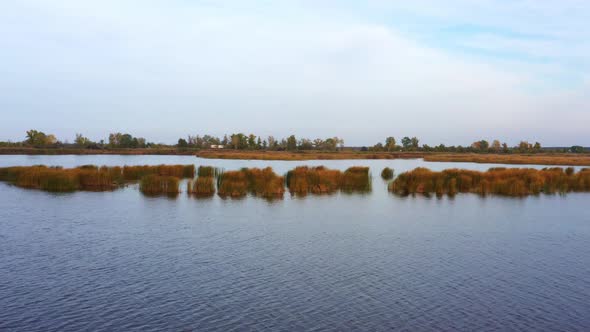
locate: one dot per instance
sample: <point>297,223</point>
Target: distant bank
<point>565,159</point>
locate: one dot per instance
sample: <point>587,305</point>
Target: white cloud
<point>164,70</point>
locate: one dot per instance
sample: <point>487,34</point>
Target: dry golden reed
<point>498,181</point>
<point>315,180</point>
<point>134,173</point>
<point>356,179</point>
<point>203,186</point>
<point>157,184</point>
<point>259,182</point>
<point>387,173</point>
<point>232,184</point>
<point>86,177</point>
<point>521,159</point>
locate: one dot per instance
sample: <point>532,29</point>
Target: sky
<point>447,72</point>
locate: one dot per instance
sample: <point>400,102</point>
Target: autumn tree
<point>82,141</point>
<point>39,138</point>
<point>292,143</point>
<point>182,143</point>
<point>406,142</point>
<point>390,144</point>
<point>496,146</point>
<point>414,141</point>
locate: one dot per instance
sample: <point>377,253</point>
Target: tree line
<point>241,141</point>
<point>481,146</point>
<point>38,139</point>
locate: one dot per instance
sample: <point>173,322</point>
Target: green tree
<point>390,144</point>
<point>406,142</point>
<point>182,143</point>
<point>82,141</point>
<point>36,138</point>
<point>251,141</point>
<point>292,143</point>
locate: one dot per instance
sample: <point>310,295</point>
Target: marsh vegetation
<point>387,173</point>
<point>158,185</point>
<point>497,181</point>
<point>321,180</point>
<point>90,177</point>
<point>259,182</point>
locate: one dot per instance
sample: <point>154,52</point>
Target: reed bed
<point>387,174</point>
<point>232,184</point>
<point>134,173</point>
<point>259,182</point>
<point>315,180</point>
<point>265,183</point>
<point>157,185</point>
<point>203,186</point>
<point>58,179</point>
<point>356,179</point>
<point>86,177</point>
<point>98,179</point>
<point>522,159</point>
<point>497,181</point>
<point>208,171</point>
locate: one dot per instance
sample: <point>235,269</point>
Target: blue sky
<point>445,71</point>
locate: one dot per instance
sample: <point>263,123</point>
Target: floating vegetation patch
<point>525,159</point>
<point>87,177</point>
<point>58,179</point>
<point>208,171</point>
<point>387,174</point>
<point>232,184</point>
<point>498,181</point>
<point>265,182</point>
<point>259,182</point>
<point>203,186</point>
<point>356,179</point>
<point>158,185</point>
<point>315,180</point>
<point>134,173</point>
<point>98,179</point>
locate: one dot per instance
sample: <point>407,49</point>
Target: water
<point>120,261</point>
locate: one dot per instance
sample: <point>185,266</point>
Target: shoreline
<point>561,159</point>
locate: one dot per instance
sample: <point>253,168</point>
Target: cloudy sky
<point>445,71</point>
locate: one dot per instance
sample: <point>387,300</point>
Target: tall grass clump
<point>208,171</point>
<point>315,180</point>
<point>497,181</point>
<point>232,184</point>
<point>97,179</point>
<point>156,185</point>
<point>47,178</point>
<point>259,182</point>
<point>387,174</point>
<point>530,159</point>
<point>203,186</point>
<point>86,177</point>
<point>356,179</point>
<point>265,183</point>
<point>134,173</point>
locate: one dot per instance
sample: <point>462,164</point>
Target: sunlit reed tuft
<point>498,181</point>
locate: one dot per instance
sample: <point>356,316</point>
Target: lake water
<point>121,261</point>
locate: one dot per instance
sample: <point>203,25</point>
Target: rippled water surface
<point>120,261</point>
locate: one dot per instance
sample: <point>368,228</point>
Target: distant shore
<point>76,151</point>
<point>563,159</point>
